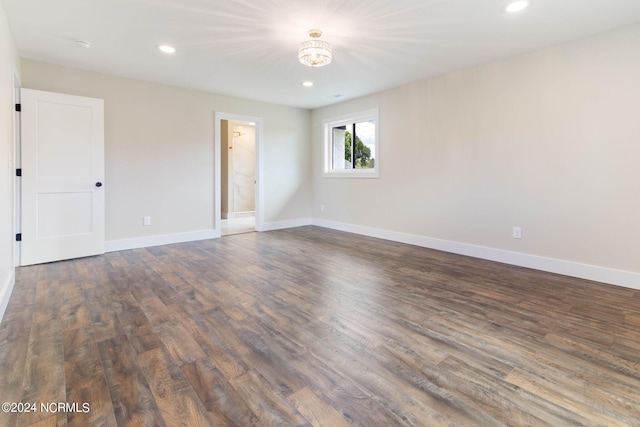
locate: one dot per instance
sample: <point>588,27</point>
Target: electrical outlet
<point>517,233</point>
<point>146,220</point>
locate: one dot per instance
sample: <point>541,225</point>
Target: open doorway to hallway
<point>238,176</point>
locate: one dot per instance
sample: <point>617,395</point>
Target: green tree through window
<point>351,145</point>
<point>362,152</point>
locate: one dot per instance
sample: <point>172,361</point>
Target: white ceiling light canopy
<point>517,6</point>
<point>315,52</point>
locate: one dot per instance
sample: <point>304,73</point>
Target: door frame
<point>259,202</point>
<point>36,248</point>
<point>17,164</point>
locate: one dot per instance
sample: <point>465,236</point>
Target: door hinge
<point>19,237</point>
<point>19,172</point>
<point>18,107</point>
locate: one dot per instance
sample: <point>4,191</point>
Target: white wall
<point>548,141</point>
<point>159,152</point>
<point>244,167</point>
<point>8,66</point>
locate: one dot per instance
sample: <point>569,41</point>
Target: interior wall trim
<point>190,236</point>
<point>611,276</point>
<point>291,223</point>
<point>596,273</point>
<point>163,239</point>
<point>236,215</point>
<point>5,291</point>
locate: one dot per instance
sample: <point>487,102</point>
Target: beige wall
<point>159,148</point>
<point>548,141</point>
<point>8,66</point>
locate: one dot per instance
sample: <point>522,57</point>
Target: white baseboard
<point>568,268</point>
<point>236,215</point>
<point>611,276</point>
<point>167,239</point>
<point>6,289</point>
<point>279,225</point>
<point>164,239</point>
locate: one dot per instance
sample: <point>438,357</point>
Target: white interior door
<point>62,176</point>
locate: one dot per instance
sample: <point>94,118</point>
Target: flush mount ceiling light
<point>307,84</point>
<point>315,52</point>
<point>516,6</point>
<point>165,48</point>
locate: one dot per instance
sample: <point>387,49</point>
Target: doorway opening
<point>238,168</point>
<point>238,179</point>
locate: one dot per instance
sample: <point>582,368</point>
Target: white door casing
<point>259,138</point>
<point>63,199</point>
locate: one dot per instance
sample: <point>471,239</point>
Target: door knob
<point>98,184</point>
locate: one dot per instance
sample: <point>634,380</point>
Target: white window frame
<point>348,119</point>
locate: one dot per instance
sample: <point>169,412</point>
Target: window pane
<point>351,147</point>
<point>339,160</point>
<point>365,144</point>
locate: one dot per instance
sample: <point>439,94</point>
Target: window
<point>351,145</point>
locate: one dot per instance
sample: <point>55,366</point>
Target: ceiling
<point>248,48</point>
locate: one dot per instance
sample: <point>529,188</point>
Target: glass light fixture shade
<point>314,52</point>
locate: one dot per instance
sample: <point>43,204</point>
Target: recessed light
<point>307,84</point>
<point>516,6</point>
<point>166,48</point>
<point>82,43</point>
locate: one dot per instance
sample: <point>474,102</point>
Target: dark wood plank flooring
<point>314,327</point>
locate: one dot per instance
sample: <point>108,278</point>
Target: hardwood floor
<point>310,326</point>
